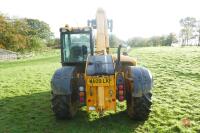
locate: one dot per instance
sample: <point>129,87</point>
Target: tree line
<point>189,35</point>
<point>24,34</point>
<point>164,40</point>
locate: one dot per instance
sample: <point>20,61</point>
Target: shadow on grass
<point>32,113</point>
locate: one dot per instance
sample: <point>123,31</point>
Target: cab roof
<point>68,29</point>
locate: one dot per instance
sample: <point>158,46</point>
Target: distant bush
<point>23,34</point>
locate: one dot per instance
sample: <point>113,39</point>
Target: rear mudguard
<point>139,80</point>
<point>62,80</point>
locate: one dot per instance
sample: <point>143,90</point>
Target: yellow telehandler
<point>91,76</point>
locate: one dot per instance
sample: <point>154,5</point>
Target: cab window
<point>76,47</point>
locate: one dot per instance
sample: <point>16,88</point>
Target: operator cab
<point>76,44</point>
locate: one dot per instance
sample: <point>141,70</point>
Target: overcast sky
<point>131,18</point>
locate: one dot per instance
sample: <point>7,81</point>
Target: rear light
<point>121,98</point>
<point>82,94</point>
<point>121,92</point>
<point>89,100</point>
<point>121,87</point>
<point>81,88</point>
<point>82,99</point>
<point>113,100</point>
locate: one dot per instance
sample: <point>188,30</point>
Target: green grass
<point>25,96</point>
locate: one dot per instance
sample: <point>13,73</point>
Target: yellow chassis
<point>100,93</point>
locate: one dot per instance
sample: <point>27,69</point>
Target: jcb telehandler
<point>91,76</point>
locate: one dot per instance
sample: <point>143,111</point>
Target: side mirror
<point>118,63</point>
<point>118,53</point>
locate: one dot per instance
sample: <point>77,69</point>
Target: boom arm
<point>102,38</point>
<point>101,24</point>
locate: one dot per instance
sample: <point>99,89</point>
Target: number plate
<point>100,81</point>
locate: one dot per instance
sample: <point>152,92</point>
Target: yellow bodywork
<point>101,89</point>
<point>100,93</point>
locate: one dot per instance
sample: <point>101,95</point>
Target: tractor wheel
<point>138,108</point>
<point>64,106</point>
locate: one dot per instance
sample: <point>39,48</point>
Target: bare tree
<point>187,31</point>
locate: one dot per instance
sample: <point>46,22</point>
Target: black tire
<point>138,108</point>
<point>64,106</point>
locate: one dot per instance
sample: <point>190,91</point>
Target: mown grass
<point>25,96</point>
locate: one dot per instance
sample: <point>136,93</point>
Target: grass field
<point>25,96</point>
